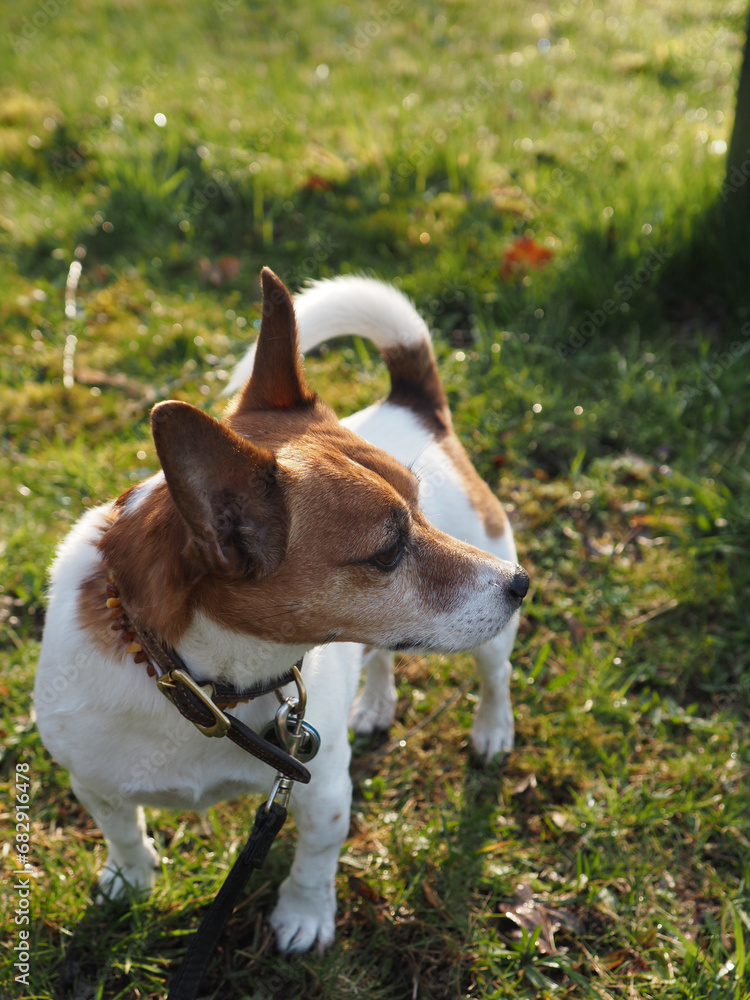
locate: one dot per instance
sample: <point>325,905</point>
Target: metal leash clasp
<point>293,734</point>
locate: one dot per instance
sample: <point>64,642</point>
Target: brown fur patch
<point>327,588</point>
<point>145,551</point>
<point>95,617</point>
<point>416,385</point>
<point>344,501</point>
<point>225,489</point>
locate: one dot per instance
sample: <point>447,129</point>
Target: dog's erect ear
<point>277,381</point>
<point>226,490</point>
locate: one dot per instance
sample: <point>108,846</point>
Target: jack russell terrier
<point>276,533</point>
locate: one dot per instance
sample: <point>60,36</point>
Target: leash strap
<point>301,740</point>
<point>269,819</point>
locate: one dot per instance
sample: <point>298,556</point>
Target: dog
<point>274,534</point>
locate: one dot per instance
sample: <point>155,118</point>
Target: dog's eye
<point>389,558</point>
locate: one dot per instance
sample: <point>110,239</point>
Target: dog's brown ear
<point>226,490</point>
<point>277,381</point>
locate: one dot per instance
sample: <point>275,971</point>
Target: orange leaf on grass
<point>317,183</point>
<point>524,254</point>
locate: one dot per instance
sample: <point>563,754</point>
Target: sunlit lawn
<point>540,180</point>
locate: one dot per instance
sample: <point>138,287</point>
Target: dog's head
<point>285,526</point>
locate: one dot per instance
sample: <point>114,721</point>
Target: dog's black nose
<point>520,583</point>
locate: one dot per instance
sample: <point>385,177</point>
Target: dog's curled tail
<point>381,313</point>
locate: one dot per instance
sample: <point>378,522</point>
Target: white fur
<point>139,493</point>
<point>147,754</point>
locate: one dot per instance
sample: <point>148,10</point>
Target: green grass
<point>604,397</point>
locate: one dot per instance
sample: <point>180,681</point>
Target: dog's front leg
<point>306,910</point>
<point>132,859</point>
<point>493,729</point>
<point>374,707</point>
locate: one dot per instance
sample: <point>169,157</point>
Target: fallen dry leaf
<point>526,784</point>
<point>365,891</point>
<point>615,959</point>
<point>528,913</point>
<point>577,629</point>
<point>524,254</point>
<point>562,821</point>
<point>431,896</point>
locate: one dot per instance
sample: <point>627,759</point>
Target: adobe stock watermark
<point>281,119</point>
<point>202,196</point>
<point>483,90</point>
<point>738,517</point>
<point>623,290</point>
<point>310,266</point>
<point>367,30</point>
<point>224,7</point>
<point>451,294</point>
<point>142,773</point>
<point>22,876</point>
<point>46,11</point>
<point>257,145</point>
<point>274,984</point>
<point>581,160</point>
<point>74,157</point>
<point>708,373</point>
<point>737,177</point>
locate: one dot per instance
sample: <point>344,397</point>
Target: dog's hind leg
<point>492,731</point>
<point>132,859</point>
<point>375,706</point>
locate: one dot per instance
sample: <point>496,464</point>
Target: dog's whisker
<point>278,614</point>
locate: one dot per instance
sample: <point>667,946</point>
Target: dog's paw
<point>492,735</point>
<point>123,882</point>
<point>370,714</point>
<point>303,918</point>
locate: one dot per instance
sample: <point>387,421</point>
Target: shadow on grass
<point>104,945</point>
<point>707,275</point>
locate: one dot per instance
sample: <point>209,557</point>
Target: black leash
<point>299,742</point>
<point>268,822</point>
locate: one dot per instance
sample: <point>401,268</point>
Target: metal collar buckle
<point>168,682</point>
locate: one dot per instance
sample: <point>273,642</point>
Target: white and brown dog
<point>274,533</point>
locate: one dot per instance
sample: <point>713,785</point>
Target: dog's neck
<point>215,653</point>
